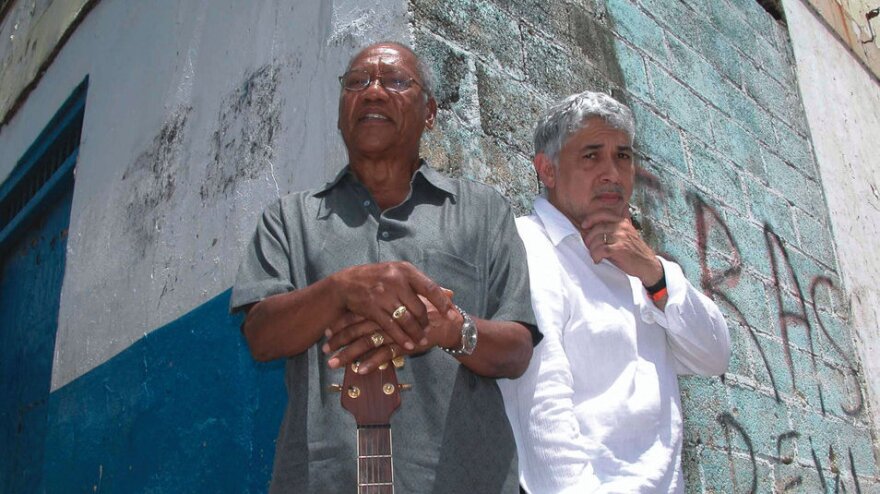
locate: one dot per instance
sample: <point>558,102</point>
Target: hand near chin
<point>613,237</point>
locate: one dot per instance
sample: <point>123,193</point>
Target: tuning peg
<point>405,387</point>
<point>335,388</point>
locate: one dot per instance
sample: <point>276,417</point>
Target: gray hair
<point>568,116</point>
<point>423,70</point>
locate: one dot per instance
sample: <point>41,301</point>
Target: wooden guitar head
<point>371,398</point>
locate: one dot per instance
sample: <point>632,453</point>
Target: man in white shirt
<point>598,409</point>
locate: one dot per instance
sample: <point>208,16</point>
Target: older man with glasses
<point>358,273</point>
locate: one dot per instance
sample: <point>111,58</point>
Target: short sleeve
<point>265,268</point>
<point>509,298</point>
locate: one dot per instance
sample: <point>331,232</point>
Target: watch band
<point>468,334</point>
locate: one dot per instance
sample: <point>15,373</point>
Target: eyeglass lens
<point>357,80</point>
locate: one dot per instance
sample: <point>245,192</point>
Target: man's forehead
<point>382,55</point>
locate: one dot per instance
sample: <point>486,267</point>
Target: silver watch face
<point>468,336</point>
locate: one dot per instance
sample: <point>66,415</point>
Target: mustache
<point>609,189</point>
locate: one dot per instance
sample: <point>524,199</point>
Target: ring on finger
<point>605,238</point>
<point>377,339</point>
<point>399,312</point>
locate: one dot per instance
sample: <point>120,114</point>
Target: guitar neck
<point>375,475</point>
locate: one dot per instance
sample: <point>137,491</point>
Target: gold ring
<point>605,238</point>
<point>377,339</point>
<point>399,312</point>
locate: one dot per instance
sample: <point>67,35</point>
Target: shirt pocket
<point>458,275</point>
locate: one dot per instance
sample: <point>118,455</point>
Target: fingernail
<point>451,313</point>
<point>363,369</point>
<point>333,363</point>
<point>326,348</point>
<point>423,341</point>
<point>328,333</point>
<point>409,345</point>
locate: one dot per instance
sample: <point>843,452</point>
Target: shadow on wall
<point>185,409</point>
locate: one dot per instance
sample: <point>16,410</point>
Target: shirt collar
<point>556,224</point>
<point>431,176</point>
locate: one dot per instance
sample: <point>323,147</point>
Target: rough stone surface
<point>728,187</point>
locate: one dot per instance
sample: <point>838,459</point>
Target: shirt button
<point>647,316</point>
<point>384,234</point>
<point>366,203</point>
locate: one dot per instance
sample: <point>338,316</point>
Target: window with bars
<point>44,170</point>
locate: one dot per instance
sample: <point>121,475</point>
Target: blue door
<point>30,290</point>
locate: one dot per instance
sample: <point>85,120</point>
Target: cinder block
<point>775,364</point>
<point>510,172</point>
<point>740,346</point>
<point>737,145</point>
<point>702,398</point>
<point>761,416</point>
<point>557,72</point>
<point>717,177</point>
<point>725,56</point>
<point>677,18</point>
<point>453,78</point>
<point>659,141</point>
<point>552,17</point>
<point>478,26</point>
<point>631,24</point>
<point>771,210</point>
<point>681,105</point>
<point>792,183</point>
<point>833,337</point>
<point>815,238</point>
<point>795,149</point>
<point>508,110</point>
<point>781,101</point>
<point>724,472</point>
<point>452,147</point>
<point>695,71</point>
<point>632,68</point>
<point>750,242</point>
<point>747,113</point>
<point>727,21</point>
<point>596,43</point>
<point>755,15</point>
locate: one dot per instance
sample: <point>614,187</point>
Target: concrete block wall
<point>729,187</point>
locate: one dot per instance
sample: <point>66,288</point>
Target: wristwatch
<point>468,336</point>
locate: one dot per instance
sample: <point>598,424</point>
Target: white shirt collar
<point>556,224</point>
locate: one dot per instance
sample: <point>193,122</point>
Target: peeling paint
<point>247,129</point>
<point>153,174</point>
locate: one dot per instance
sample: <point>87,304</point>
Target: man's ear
<point>432,113</point>
<point>546,170</point>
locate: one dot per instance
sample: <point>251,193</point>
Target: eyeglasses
<point>359,79</point>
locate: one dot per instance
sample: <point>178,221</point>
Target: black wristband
<point>656,287</point>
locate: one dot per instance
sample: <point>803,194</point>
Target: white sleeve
<point>553,455</point>
<point>695,329</point>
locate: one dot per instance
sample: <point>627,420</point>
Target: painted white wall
<point>198,114</point>
<point>842,104</point>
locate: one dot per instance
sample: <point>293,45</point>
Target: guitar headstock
<point>373,397</point>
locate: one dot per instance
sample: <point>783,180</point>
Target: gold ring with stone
<point>399,312</point>
<point>377,339</point>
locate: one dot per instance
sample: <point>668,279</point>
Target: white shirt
<point>598,409</point>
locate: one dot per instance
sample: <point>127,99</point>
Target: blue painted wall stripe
<point>185,409</point>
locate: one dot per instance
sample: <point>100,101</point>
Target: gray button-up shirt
<point>450,434</point>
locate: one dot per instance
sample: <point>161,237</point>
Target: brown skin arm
<point>610,236</point>
<point>504,348</point>
<point>288,324</point>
